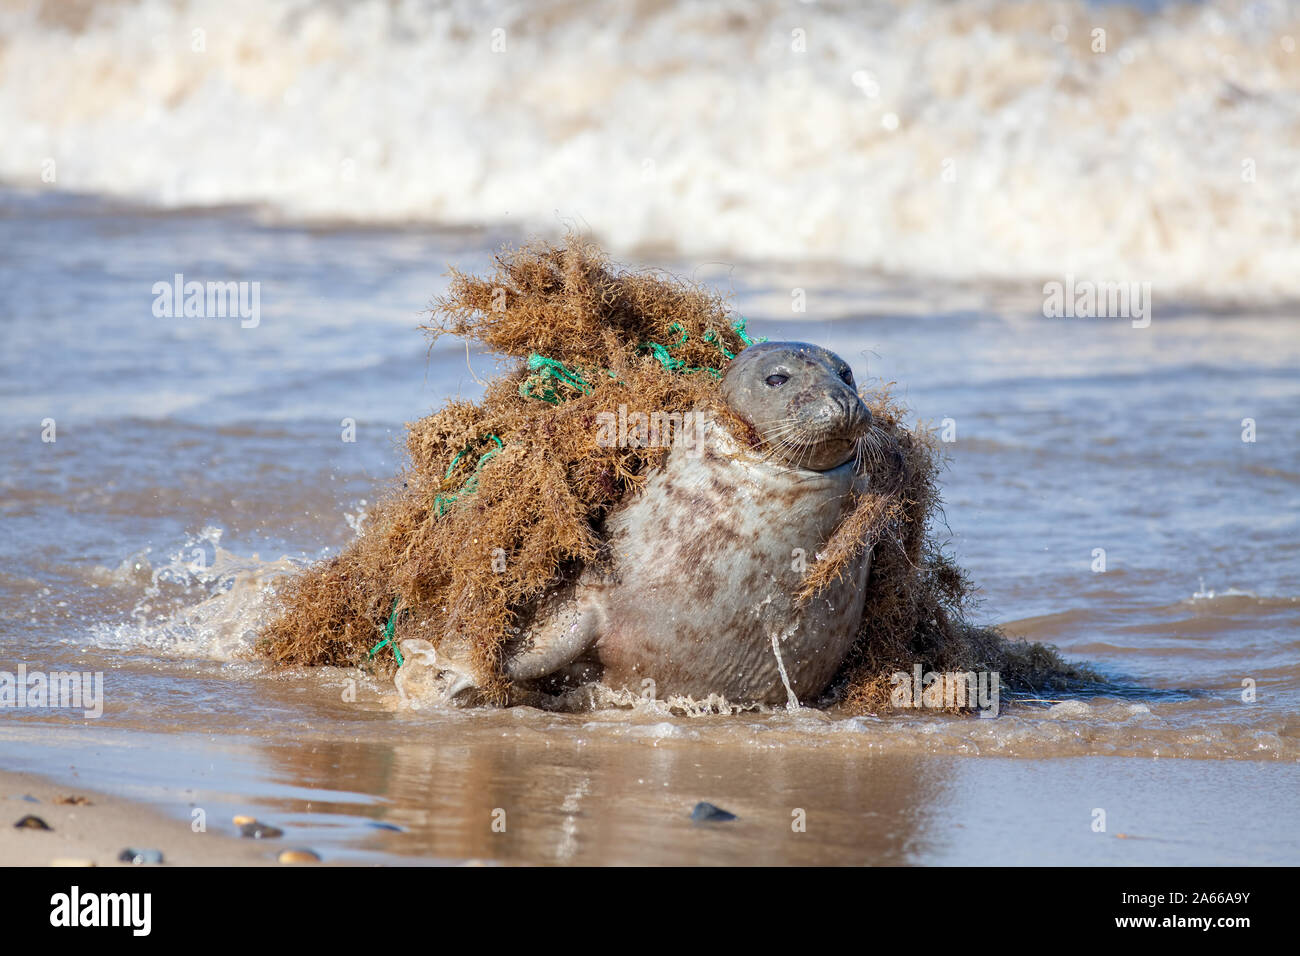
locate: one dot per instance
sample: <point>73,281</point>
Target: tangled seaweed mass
<point>504,499</point>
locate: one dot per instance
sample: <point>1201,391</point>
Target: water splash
<point>200,601</point>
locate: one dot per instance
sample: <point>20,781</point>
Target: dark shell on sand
<point>260,831</point>
<point>140,857</point>
<point>708,813</point>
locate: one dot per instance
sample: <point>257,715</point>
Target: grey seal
<point>698,595</point>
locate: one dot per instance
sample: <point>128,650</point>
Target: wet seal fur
<point>699,593</point>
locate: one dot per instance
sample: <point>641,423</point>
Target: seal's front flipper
<point>428,675</point>
<point>566,624</point>
<point>564,632</point>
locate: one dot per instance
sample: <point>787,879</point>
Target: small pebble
<point>30,822</point>
<point>240,820</point>
<point>70,861</point>
<point>140,857</point>
<point>708,813</point>
<point>260,831</point>
<point>73,801</point>
<point>298,856</point>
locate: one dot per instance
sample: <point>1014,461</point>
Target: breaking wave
<point>971,140</point>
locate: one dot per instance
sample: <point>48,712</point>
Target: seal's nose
<point>832,413</point>
<point>854,417</point>
<point>845,410</point>
<point>838,414</point>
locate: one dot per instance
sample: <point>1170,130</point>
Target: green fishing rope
<point>443,501</point>
<point>547,371</point>
<point>739,328</point>
<point>673,364</point>
<point>388,635</point>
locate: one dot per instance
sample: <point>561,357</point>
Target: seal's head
<point>802,401</point>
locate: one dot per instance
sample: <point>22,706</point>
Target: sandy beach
<point>90,828</point>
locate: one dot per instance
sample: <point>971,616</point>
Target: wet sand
<point>513,788</point>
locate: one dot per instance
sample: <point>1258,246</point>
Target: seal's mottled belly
<point>707,560</point>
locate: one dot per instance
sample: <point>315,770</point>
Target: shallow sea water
<point>196,459</point>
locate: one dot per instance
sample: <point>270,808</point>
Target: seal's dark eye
<point>847,375</point>
<point>776,381</point>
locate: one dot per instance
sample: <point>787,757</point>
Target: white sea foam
<point>701,127</point>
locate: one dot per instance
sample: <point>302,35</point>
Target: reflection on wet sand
<point>369,785</point>
<point>583,801</point>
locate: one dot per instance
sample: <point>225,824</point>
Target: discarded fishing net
<point>502,499</point>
